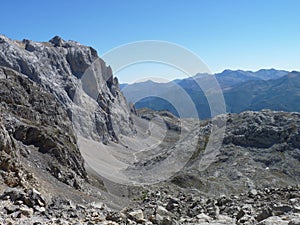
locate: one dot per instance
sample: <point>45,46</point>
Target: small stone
<point>57,41</point>
<point>90,223</point>
<point>80,207</point>
<point>19,202</point>
<point>158,217</point>
<point>240,214</point>
<point>225,219</point>
<point>253,192</point>
<point>264,214</point>
<point>26,211</point>
<point>247,219</point>
<point>297,208</point>
<point>112,216</point>
<point>98,205</point>
<point>274,220</point>
<point>137,215</point>
<point>166,221</point>
<point>39,209</point>
<point>172,204</point>
<point>162,211</point>
<point>203,218</point>
<point>294,221</point>
<point>14,194</point>
<point>281,209</point>
<point>6,197</point>
<point>11,209</point>
<point>148,223</point>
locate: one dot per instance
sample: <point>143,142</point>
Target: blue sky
<point>225,34</point>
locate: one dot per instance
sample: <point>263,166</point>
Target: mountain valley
<point>74,151</point>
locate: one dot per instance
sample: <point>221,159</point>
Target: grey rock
<point>39,209</point>
<point>172,204</point>
<point>113,216</point>
<point>253,192</point>
<point>137,215</point>
<point>281,209</point>
<point>26,211</point>
<point>72,72</point>
<point>203,218</point>
<point>11,209</point>
<point>162,220</point>
<point>35,198</point>
<point>162,211</point>
<point>29,45</point>
<point>264,214</point>
<point>295,221</point>
<point>274,220</point>
<point>31,118</point>
<point>244,164</point>
<point>57,41</point>
<point>240,214</point>
<point>14,194</point>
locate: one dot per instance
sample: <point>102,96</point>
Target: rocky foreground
<point>269,206</point>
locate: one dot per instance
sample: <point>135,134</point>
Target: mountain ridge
<point>237,87</point>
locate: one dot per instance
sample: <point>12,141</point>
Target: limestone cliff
<point>73,73</point>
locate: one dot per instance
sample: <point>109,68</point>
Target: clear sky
<point>226,34</point>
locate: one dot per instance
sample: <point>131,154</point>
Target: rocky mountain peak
<point>57,41</point>
<point>65,68</point>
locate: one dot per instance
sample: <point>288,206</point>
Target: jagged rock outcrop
<point>70,70</point>
<point>34,123</point>
<point>12,173</point>
<point>260,150</point>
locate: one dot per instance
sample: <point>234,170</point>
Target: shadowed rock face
<point>70,70</point>
<point>32,117</point>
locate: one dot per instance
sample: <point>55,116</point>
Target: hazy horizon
<point>161,75</point>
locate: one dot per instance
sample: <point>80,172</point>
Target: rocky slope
<point>269,206</point>
<point>43,85</point>
<point>35,128</point>
<point>260,149</point>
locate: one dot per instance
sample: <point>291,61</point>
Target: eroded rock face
<point>263,129</point>
<point>70,70</point>
<point>30,116</point>
<point>260,149</point>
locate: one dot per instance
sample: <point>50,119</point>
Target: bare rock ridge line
<point>242,90</point>
<point>53,92</point>
<point>58,66</point>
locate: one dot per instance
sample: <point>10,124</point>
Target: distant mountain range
<point>242,90</point>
